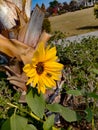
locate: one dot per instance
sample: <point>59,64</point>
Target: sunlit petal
<point>53,74</point>
<point>41,50</point>
<point>27,68</point>
<point>29,81</point>
<point>53,66</point>
<point>51,53</point>
<point>41,87</point>
<point>35,81</point>
<point>48,81</point>
<point>31,73</point>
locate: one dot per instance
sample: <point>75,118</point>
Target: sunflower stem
<point>36,117</point>
<point>23,110</point>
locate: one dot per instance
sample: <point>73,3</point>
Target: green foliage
<point>68,114</point>
<point>74,92</point>
<point>49,123</point>
<point>53,3</point>
<point>46,25</point>
<point>36,109</point>
<point>35,101</point>
<point>79,60</point>
<point>81,72</point>
<point>89,114</point>
<point>7,94</point>
<point>56,36</point>
<point>16,122</point>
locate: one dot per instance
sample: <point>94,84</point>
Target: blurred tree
<point>65,6</point>
<point>73,5</point>
<point>53,7</point>
<point>53,3</point>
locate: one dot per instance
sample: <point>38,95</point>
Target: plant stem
<point>93,125</point>
<point>93,121</point>
<point>34,116</point>
<point>29,113</point>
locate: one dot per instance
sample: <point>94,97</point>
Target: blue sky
<point>46,2</point>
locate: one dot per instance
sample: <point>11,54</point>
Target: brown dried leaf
<point>44,37</point>
<point>25,52</point>
<point>22,33</point>
<point>10,71</point>
<point>14,48</point>
<point>17,81</point>
<point>7,47</point>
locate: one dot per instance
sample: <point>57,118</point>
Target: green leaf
<point>36,103</point>
<point>49,123</point>
<point>74,92</point>
<point>6,125</point>
<point>17,122</point>
<point>94,71</point>
<point>89,114</point>
<point>93,95</point>
<point>68,114</point>
<point>30,127</point>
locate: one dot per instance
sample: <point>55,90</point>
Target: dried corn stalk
<point>22,36</point>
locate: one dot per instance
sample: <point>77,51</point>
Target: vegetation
<point>46,25</point>
<point>81,79</point>
<point>77,97</point>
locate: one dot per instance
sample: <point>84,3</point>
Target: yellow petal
<point>35,57</point>
<point>49,82</point>
<point>51,53</point>
<point>52,59</point>
<point>41,50</point>
<point>47,48</point>
<point>29,81</point>
<point>41,87</point>
<point>31,72</point>
<point>27,68</point>
<point>55,75</point>
<point>35,81</point>
<point>53,66</point>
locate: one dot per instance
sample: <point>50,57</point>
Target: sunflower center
<point>40,68</point>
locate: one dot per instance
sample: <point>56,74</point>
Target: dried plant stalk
<point>34,28</point>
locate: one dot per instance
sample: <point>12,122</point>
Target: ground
<point>75,23</point>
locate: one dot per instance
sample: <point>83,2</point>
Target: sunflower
<point>44,70</point>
